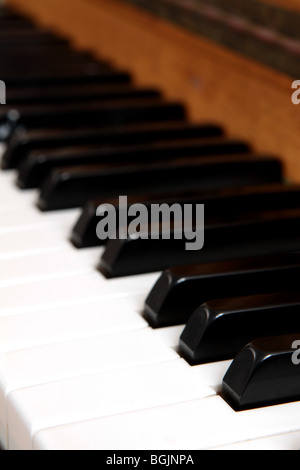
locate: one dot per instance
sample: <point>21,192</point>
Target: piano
<point>138,344</point>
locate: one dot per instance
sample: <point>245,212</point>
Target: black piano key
<point>180,290</point>
<point>8,13</point>
<point>29,37</point>
<point>264,373</point>
<point>42,53</point>
<point>73,186</point>
<point>254,235</point>
<point>14,61</point>
<point>219,329</point>
<point>21,144</point>
<point>75,93</point>
<point>232,201</point>
<point>15,23</point>
<point>36,167</point>
<point>48,62</point>
<point>106,76</point>
<point>64,68</point>
<point>39,50</point>
<point>114,113</point>
<point>77,75</point>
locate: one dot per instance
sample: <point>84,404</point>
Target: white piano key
<point>7,182</point>
<point>25,217</point>
<point>20,218</point>
<point>88,320</point>
<point>58,262</point>
<point>18,208</point>
<point>63,324</point>
<point>10,201</point>
<point>42,240</point>
<point>72,290</point>
<point>10,194</point>
<point>77,358</point>
<point>170,334</point>
<point>211,373</point>
<point>195,425</point>
<point>50,233</point>
<point>35,408</point>
<point>80,357</point>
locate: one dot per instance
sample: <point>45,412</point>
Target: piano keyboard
<point>96,363</point>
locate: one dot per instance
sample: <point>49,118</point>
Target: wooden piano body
<point>252,100</point>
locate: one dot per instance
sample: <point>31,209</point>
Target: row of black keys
<point>82,133</point>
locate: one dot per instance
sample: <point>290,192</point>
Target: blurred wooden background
<point>249,98</point>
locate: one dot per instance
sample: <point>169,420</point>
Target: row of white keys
<point>71,290</point>
<point>31,411</point>
<point>86,359</point>
<point>89,408</point>
<point>114,392</point>
<point>42,327</point>
<point>26,367</point>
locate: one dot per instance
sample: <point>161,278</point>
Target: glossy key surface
<point>72,94</point>
<point>38,164</point>
<point>74,186</point>
<point>255,235</point>
<point>179,291</point>
<point>265,372</point>
<point>23,143</point>
<point>220,328</point>
<point>104,114</point>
